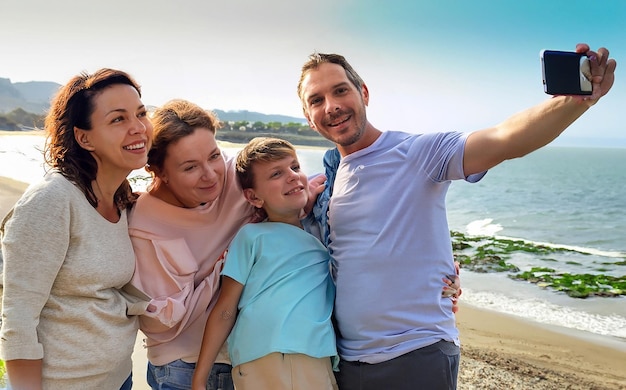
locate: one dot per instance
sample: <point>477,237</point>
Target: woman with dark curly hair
<point>65,322</point>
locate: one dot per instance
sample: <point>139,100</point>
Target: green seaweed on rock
<point>575,285</point>
<point>489,254</point>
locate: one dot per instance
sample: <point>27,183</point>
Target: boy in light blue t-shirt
<point>277,293</point>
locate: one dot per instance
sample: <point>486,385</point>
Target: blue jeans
<point>177,376</point>
<point>128,384</point>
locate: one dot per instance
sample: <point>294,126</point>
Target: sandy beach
<point>498,351</point>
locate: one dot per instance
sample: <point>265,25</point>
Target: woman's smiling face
<point>193,169</point>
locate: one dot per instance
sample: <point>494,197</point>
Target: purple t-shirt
<point>390,244</point>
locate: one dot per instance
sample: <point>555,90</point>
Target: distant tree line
<point>231,131</point>
<point>272,127</point>
<point>294,132</point>
<point>18,118</point>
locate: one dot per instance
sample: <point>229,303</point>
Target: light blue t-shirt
<point>288,294</point>
<point>390,244</point>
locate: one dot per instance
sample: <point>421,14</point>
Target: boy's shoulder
<point>265,227</point>
<point>251,230</point>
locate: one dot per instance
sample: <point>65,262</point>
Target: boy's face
<point>280,188</point>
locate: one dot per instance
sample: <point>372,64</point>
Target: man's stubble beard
<point>358,134</point>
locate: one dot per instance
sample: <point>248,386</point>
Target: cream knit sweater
<point>63,267</point>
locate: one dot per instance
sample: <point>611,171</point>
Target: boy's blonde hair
<point>260,149</point>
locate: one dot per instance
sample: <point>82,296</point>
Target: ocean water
<point>573,198</point>
<point>562,197</point>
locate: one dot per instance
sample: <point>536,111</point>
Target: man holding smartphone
<point>384,206</point>
<point>565,73</point>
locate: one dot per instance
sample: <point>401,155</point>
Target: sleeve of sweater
<point>166,270</point>
<point>136,301</point>
<point>35,240</point>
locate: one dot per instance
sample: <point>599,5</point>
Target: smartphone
<point>565,73</point>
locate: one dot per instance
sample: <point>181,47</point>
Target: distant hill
<point>34,97</point>
<point>251,116</point>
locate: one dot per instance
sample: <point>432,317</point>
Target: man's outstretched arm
<point>537,126</point>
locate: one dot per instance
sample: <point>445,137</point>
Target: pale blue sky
<point>429,65</point>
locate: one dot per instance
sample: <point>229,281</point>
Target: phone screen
<point>565,73</point>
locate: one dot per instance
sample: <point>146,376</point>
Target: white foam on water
<point>486,228</point>
<point>483,227</point>
<point>21,157</point>
<point>545,312</point>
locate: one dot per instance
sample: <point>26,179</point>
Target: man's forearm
<point>521,133</point>
<point>539,125</point>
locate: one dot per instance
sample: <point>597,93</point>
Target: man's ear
<point>252,198</point>
<point>82,138</point>
<point>365,93</point>
<point>308,120</point>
